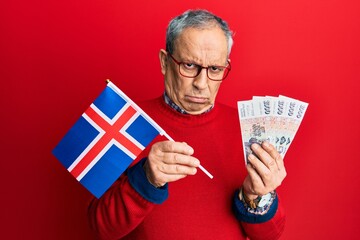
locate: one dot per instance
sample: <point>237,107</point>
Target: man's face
<point>206,47</point>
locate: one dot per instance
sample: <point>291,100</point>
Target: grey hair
<point>200,19</point>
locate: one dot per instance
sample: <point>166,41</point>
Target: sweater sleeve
<point>268,226</point>
<point>125,205</point>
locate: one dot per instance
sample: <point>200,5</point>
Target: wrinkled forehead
<point>202,43</point>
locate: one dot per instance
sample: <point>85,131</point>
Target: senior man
<point>162,195</point>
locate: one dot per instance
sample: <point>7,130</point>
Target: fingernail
<point>197,162</point>
<point>251,156</point>
<point>255,146</point>
<point>266,144</point>
<point>190,150</point>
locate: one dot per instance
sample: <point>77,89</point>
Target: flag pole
<point>152,122</point>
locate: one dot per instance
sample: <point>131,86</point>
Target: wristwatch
<point>265,199</point>
<point>260,201</point>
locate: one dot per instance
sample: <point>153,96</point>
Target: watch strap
<point>254,203</point>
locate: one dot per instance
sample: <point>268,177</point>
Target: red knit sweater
<point>197,207</point>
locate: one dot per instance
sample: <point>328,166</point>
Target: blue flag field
<point>109,135</point>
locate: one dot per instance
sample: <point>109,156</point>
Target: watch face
<point>264,200</point>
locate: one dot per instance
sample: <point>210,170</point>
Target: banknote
<point>253,126</point>
<point>272,119</point>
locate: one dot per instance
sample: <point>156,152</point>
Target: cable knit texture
<point>195,207</point>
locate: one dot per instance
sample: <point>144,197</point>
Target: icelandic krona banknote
<point>272,119</point>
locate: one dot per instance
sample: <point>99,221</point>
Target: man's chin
<point>197,108</point>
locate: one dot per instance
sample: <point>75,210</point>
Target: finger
<point>179,153</point>
<point>281,174</point>
<point>180,159</point>
<point>271,150</point>
<point>270,178</point>
<point>255,179</point>
<point>264,157</point>
<point>185,160</point>
<point>177,169</point>
<point>160,173</point>
<point>176,147</point>
<point>261,169</point>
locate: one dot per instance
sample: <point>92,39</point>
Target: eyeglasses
<point>192,70</point>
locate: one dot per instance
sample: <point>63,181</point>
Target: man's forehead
<point>211,40</point>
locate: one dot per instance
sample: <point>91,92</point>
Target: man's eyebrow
<point>198,64</point>
<point>195,61</point>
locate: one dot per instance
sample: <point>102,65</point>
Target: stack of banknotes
<point>272,119</point>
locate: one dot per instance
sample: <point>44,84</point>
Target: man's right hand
<point>170,161</point>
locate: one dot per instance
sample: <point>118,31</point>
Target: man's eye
<point>189,65</point>
<point>216,69</point>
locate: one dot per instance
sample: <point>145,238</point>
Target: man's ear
<point>163,60</point>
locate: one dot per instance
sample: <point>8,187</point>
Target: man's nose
<point>200,82</point>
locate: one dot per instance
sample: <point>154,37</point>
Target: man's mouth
<point>196,99</point>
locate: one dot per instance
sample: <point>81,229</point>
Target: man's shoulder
<point>226,108</point>
<point>228,113</point>
<point>149,102</point>
<point>151,105</point>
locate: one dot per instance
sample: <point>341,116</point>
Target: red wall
<point>55,56</point>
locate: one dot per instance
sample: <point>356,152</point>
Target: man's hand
<point>170,161</point>
<point>266,171</point>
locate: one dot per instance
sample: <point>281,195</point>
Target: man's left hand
<point>266,171</point>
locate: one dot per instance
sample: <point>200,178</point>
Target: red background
<point>55,56</point>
